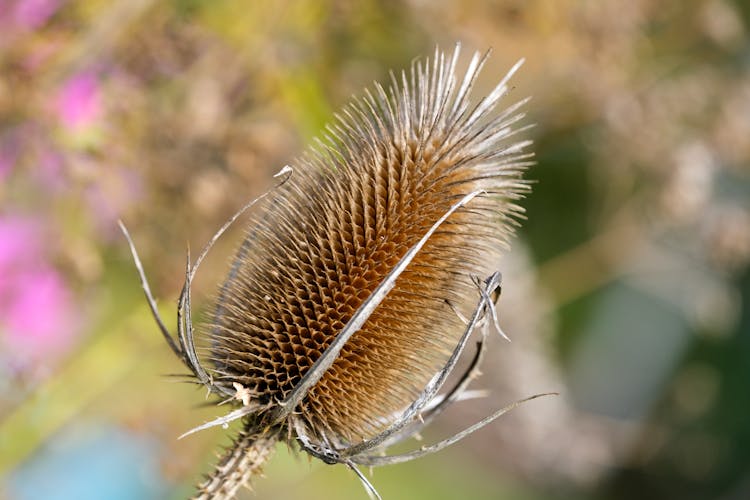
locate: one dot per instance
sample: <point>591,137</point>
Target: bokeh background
<point>626,290</point>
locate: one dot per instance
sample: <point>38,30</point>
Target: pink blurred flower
<point>20,246</point>
<point>37,319</point>
<point>78,101</point>
<point>31,14</point>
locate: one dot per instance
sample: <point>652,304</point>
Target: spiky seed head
<point>390,166</point>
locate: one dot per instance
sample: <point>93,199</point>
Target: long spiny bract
<point>389,167</point>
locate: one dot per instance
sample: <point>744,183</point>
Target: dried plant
<point>363,275</point>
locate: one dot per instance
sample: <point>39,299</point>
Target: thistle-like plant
<point>362,277</point>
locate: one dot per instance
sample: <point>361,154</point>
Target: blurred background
<point>627,288</point>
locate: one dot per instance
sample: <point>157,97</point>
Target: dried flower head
<point>362,276</point>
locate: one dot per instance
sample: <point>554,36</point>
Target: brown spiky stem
<point>242,461</point>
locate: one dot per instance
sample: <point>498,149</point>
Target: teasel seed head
<point>392,164</point>
<point>380,238</point>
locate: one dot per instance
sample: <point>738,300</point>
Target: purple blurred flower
<point>31,14</point>
<point>36,308</point>
<point>78,101</point>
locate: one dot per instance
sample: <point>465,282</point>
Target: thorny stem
<point>242,461</point>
